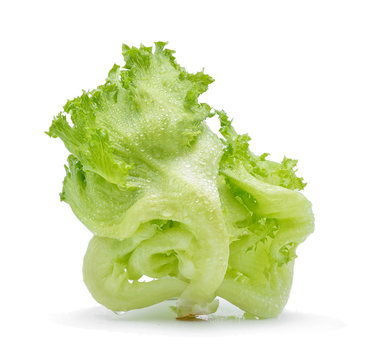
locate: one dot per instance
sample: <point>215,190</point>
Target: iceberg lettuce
<point>165,197</point>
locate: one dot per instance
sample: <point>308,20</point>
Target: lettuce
<point>167,198</point>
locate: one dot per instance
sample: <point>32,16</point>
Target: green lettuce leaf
<point>267,220</point>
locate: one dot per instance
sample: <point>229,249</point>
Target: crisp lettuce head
<point>167,198</point>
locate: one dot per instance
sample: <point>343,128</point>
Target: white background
<point>298,76</point>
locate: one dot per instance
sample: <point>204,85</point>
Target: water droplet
<point>166,213</point>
